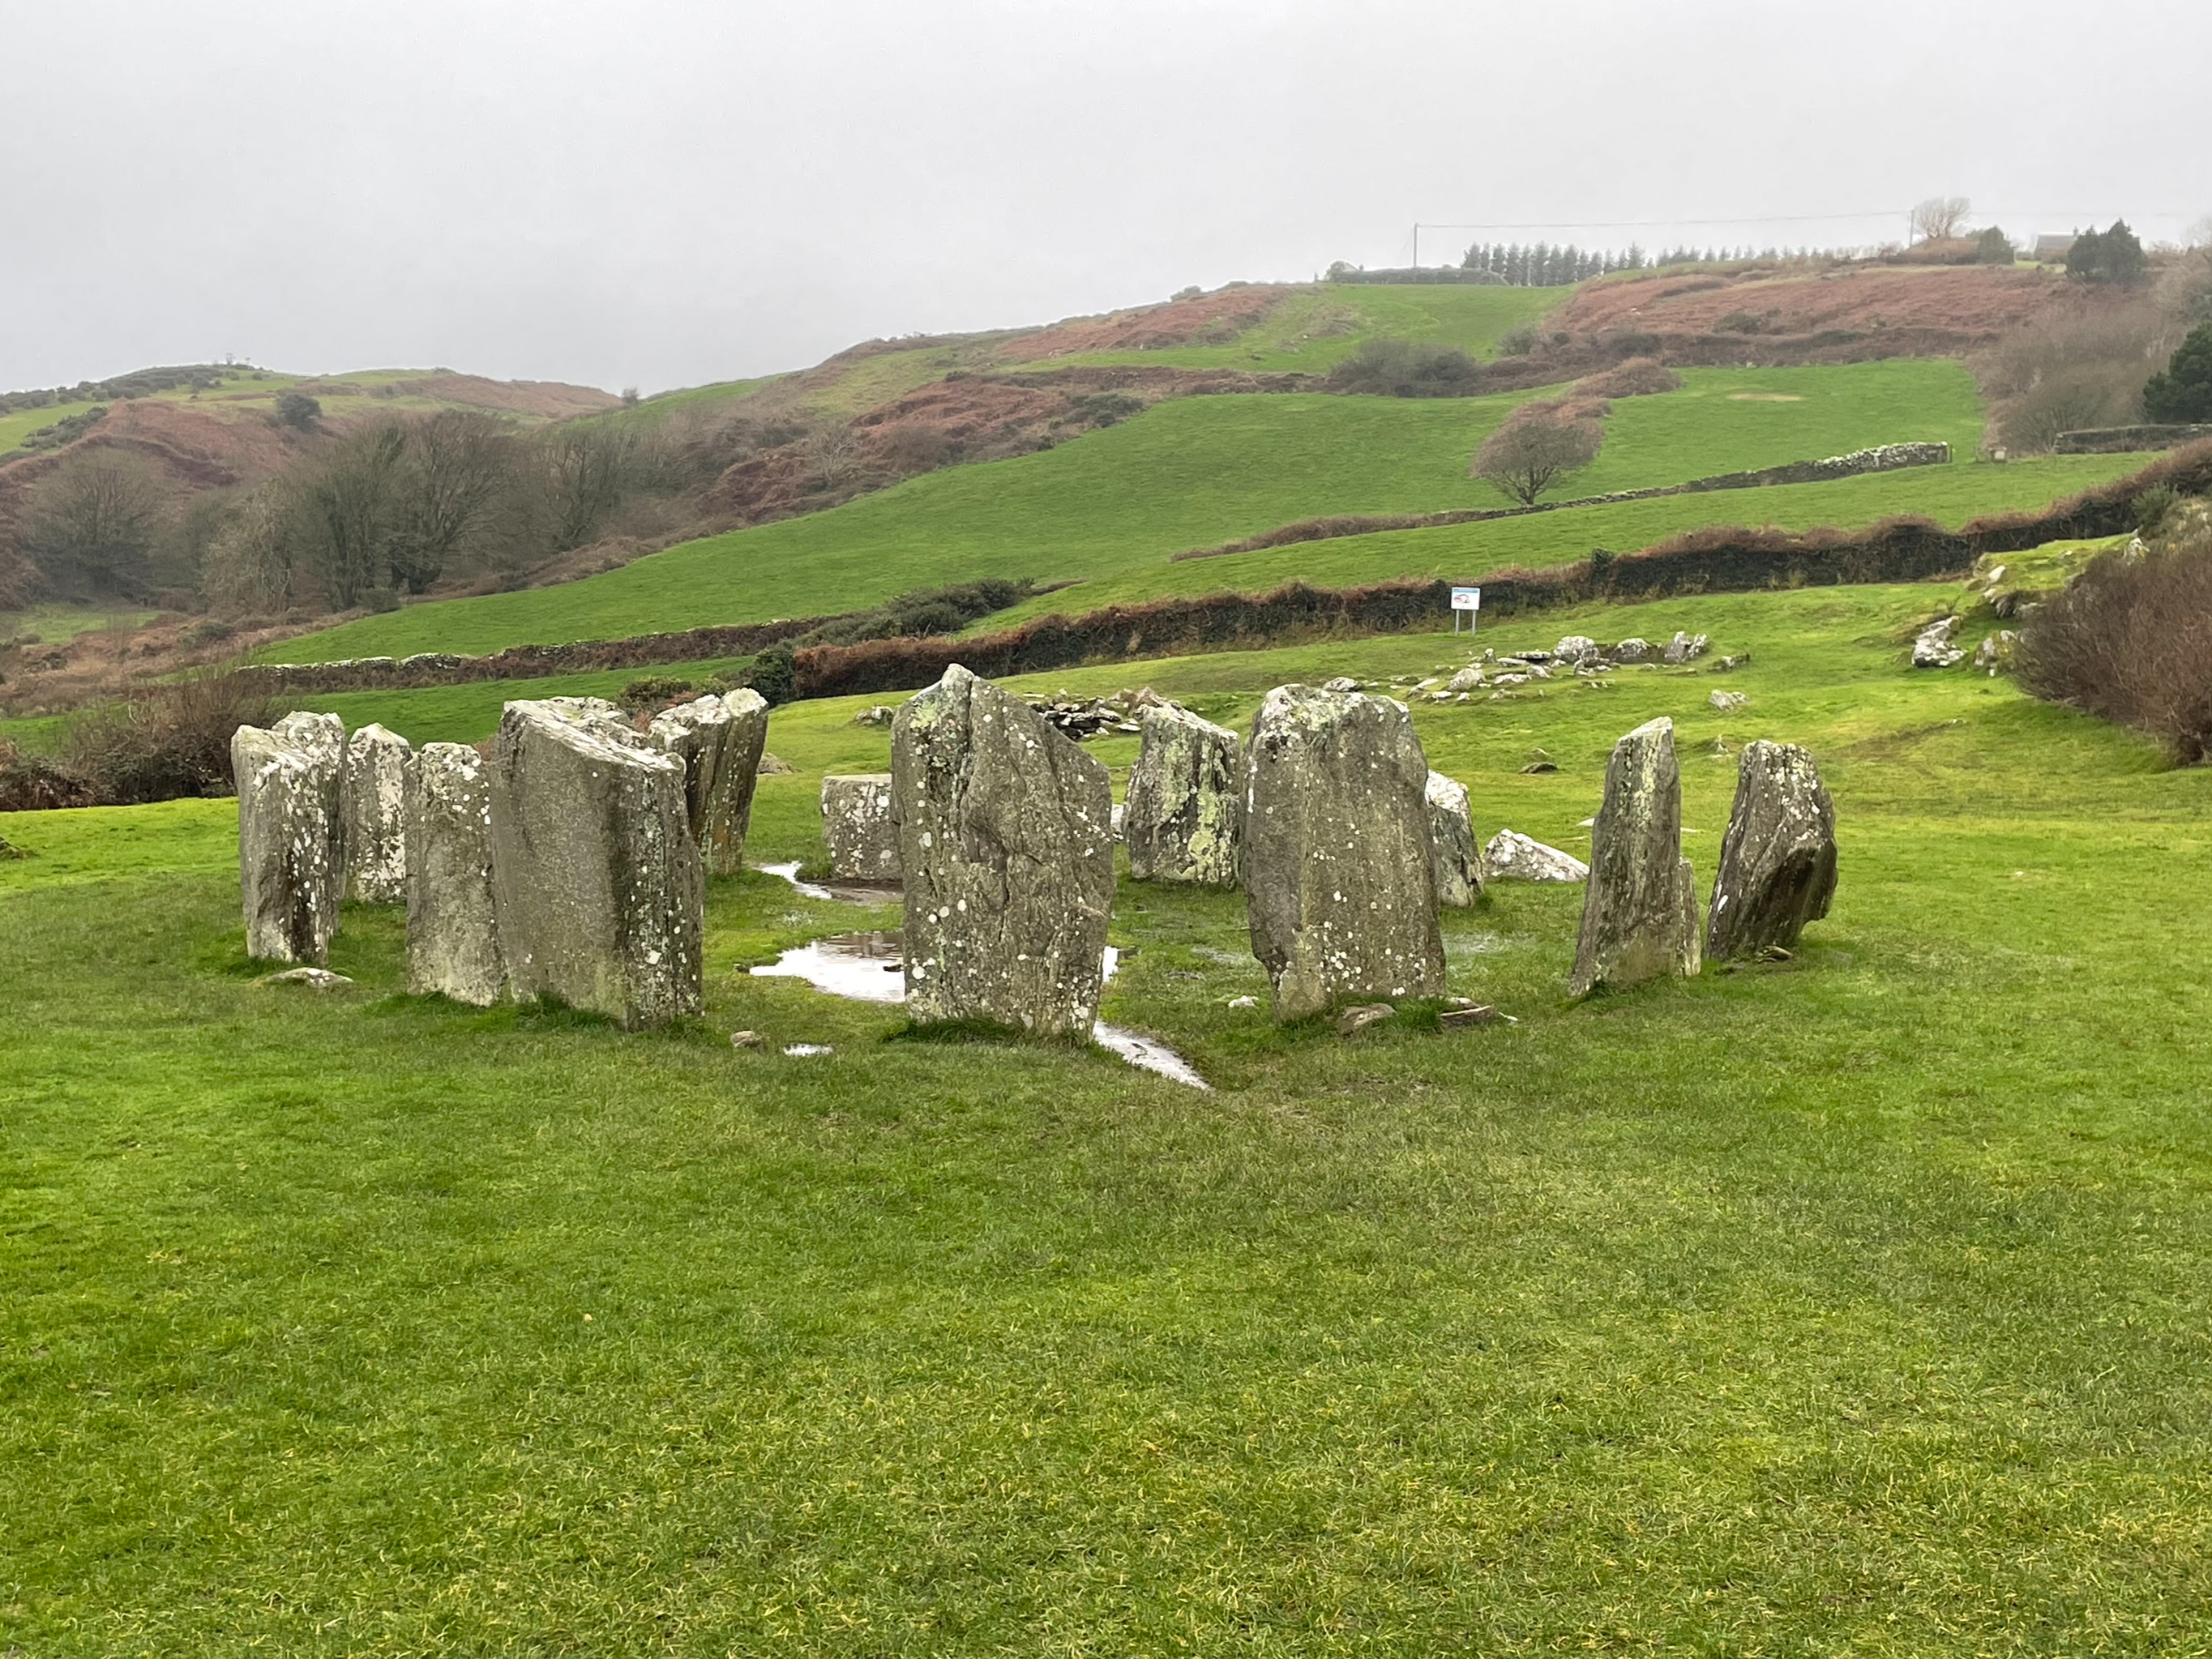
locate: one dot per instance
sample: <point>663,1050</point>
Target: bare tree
<point>346,507</point>
<point>832,455</point>
<point>92,524</point>
<point>458,463</point>
<point>586,464</point>
<point>1940,217</point>
<point>252,560</point>
<point>1529,454</point>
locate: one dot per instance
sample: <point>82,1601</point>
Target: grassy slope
<point>1803,1311</point>
<point>1189,473</point>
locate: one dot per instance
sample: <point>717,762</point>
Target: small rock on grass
<point>1243,1002</point>
<point>747,1039</point>
<point>1360,1017</point>
<point>315,979</point>
<point>1728,702</point>
<point>770,767</point>
<point>1459,1019</point>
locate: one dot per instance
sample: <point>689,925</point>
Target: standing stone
<point>290,869</point>
<point>1339,884</point>
<point>1640,911</point>
<point>1182,814</point>
<point>452,918</point>
<point>719,741</point>
<point>863,837</point>
<point>1778,859</point>
<point>1452,843</point>
<point>600,891</point>
<point>1002,827</point>
<point>373,798</point>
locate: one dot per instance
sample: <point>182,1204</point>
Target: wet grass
<point>1857,1304</point>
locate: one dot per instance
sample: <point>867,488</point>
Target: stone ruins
<point>719,741</point>
<point>1778,861</point>
<point>857,826</point>
<point>1451,837</point>
<point>600,889</point>
<point>452,923</point>
<point>1339,876</point>
<point>1008,860</point>
<point>1640,910</point>
<point>373,797</point>
<point>290,854</point>
<point>1182,815</point>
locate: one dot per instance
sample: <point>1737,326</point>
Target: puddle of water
<point>868,968</point>
<point>845,892</point>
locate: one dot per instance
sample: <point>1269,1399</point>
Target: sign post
<point>1467,599</point>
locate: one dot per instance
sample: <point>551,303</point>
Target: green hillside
<point>1115,504</point>
<point>1853,1304</point>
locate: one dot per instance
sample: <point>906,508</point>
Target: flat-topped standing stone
<point>601,891</point>
<point>1004,835</point>
<point>1640,911</point>
<point>453,916</point>
<point>857,825</point>
<point>719,741</point>
<point>1182,815</point>
<point>373,800</point>
<point>291,875</point>
<point>1451,842</point>
<point>1339,880</point>
<point>1778,861</point>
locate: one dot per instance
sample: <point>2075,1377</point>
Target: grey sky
<point>662,192</point>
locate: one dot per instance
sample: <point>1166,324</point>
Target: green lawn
<point>1855,1306</point>
<point>1188,473</point>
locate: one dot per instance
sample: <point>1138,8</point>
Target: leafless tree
<point>347,506</point>
<point>457,464</point>
<point>1940,217</point>
<point>1528,454</point>
<point>586,464</point>
<point>832,455</point>
<point>252,559</point>
<point>92,524</point>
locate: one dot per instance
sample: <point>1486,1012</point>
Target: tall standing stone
<point>1183,817</point>
<point>600,890</point>
<point>1005,838</point>
<point>1640,911</point>
<point>1778,861</point>
<point>719,741</point>
<point>859,828</point>
<point>290,868</point>
<point>453,916</point>
<point>1452,843</point>
<point>1339,881</point>
<point>373,800</point>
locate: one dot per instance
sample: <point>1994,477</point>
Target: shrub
<point>2130,641</point>
<point>1994,247</point>
<point>2153,505</point>
<point>2181,392</point>
<point>297,410</point>
<point>657,691</point>
<point>164,741</point>
<point>1517,342</point>
<point>32,783</point>
<point>1400,369</point>
<point>2109,256</point>
<point>1739,322</point>
<point>774,675</point>
<point>1639,377</point>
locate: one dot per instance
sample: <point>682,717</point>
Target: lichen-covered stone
<point>1778,859</point>
<point>1640,911</point>
<point>1003,837</point>
<point>1184,812</point>
<point>858,828</point>
<point>291,861</point>
<point>719,741</point>
<point>601,891</point>
<point>1452,845</point>
<point>1339,881</point>
<point>1512,856</point>
<point>372,798</point>
<point>453,917</point>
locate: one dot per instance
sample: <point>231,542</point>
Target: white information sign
<point>1467,599</point>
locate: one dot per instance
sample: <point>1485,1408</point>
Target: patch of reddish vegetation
<point>1950,310</point>
<point>544,400</point>
<point>1204,320</point>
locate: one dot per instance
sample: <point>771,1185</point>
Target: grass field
<point>1855,1305</point>
<point>1194,471</point>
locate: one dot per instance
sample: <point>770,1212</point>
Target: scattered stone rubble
<point>1934,648</point>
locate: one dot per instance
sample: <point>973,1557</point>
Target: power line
<point>1655,224</point>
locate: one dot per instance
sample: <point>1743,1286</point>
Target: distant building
<point>2052,250</point>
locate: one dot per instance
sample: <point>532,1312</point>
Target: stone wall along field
<point>859,828</point>
<point>1640,910</point>
<point>452,919</point>
<point>373,800</point>
<point>600,889</point>
<point>1183,815</point>
<point>719,739</point>
<point>1008,850</point>
<point>1778,861</point>
<point>1338,879</point>
<point>291,867</point>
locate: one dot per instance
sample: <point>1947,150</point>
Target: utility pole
<point>1417,244</point>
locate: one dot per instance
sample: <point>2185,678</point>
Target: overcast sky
<point>664,192</point>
